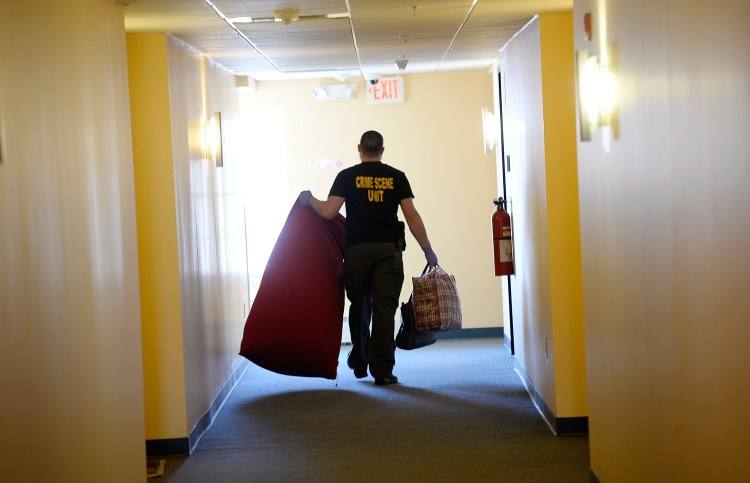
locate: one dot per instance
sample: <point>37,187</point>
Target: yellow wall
<point>539,123</point>
<point>71,386</point>
<point>561,175</point>
<point>664,229</point>
<point>191,231</point>
<point>435,136</point>
<point>164,377</point>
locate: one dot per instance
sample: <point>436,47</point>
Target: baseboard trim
<point>185,446</point>
<point>204,422</point>
<point>484,332</point>
<point>558,426</point>
<point>167,447</point>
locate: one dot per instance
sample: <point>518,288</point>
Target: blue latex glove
<point>304,198</point>
<point>430,256</point>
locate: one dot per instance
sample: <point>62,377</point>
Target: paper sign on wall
<point>329,164</point>
<point>388,90</point>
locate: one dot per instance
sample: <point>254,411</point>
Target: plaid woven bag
<point>437,306</point>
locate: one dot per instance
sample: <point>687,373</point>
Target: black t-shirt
<point>373,192</point>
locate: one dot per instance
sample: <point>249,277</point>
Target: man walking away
<point>373,270</point>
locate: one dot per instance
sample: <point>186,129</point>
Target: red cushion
<point>295,323</point>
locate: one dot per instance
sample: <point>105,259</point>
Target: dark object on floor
<point>155,468</point>
<point>295,322</point>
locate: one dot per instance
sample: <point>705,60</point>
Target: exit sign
<point>388,90</point>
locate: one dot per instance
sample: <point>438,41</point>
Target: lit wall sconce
<point>214,151</point>
<point>597,97</point>
<point>490,130</point>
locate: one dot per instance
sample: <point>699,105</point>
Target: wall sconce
<point>596,93</point>
<point>214,151</point>
<point>490,130</point>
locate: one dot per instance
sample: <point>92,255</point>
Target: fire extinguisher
<point>502,242</point>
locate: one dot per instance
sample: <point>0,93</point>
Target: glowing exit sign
<point>388,90</point>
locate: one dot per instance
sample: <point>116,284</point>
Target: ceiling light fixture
<point>286,16</point>
<point>243,36</point>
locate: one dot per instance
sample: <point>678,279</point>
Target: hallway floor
<point>459,413</point>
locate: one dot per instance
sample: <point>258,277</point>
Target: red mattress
<point>295,323</point>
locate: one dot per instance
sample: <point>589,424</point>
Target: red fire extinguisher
<point>502,242</point>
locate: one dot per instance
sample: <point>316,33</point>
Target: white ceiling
<point>432,35</point>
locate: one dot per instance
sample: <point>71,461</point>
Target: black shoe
<point>359,372</point>
<point>385,380</point>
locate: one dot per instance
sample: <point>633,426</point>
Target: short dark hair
<point>371,143</point>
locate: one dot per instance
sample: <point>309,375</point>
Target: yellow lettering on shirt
<point>375,187</point>
<point>375,196</point>
<point>364,182</point>
<point>384,183</point>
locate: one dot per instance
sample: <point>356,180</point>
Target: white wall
<point>210,226</point>
<point>540,139</point>
<point>665,227</point>
<point>523,114</point>
<point>71,380</point>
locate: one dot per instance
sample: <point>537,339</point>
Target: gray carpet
<point>460,413</point>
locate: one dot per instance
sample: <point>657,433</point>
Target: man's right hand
<point>432,259</point>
